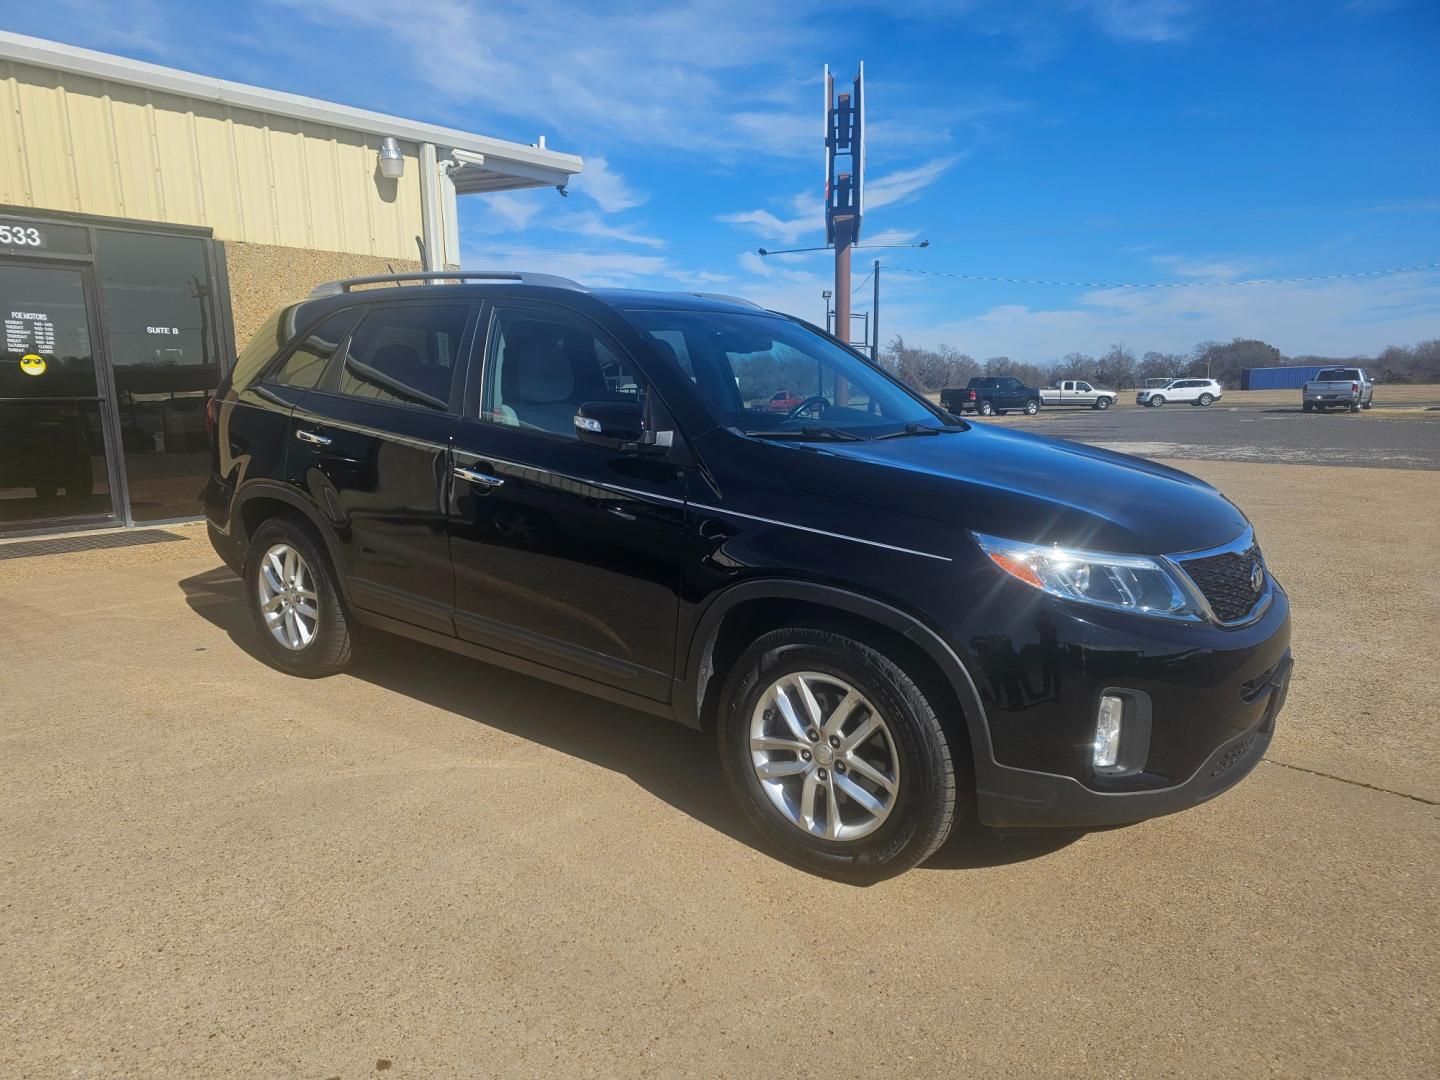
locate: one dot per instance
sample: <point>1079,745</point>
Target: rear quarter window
<point>264,344</point>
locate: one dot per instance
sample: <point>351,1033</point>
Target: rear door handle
<point>311,438</point>
<point>483,479</point>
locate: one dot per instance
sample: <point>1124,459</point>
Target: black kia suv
<point>887,615</point>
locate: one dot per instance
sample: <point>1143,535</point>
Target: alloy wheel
<point>824,756</point>
<point>287,597</point>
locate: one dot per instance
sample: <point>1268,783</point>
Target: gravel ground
<point>428,867</point>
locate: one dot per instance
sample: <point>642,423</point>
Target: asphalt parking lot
<point>1381,438</point>
<point>428,867</point>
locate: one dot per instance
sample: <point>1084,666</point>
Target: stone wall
<point>263,277</point>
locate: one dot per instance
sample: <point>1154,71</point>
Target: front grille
<point>1232,583</point>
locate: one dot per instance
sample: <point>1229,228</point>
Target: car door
<point>1014,394</point>
<point>371,445</point>
<point>1083,393</point>
<point>566,554</point>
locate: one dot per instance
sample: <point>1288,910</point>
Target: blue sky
<point>1077,140</point>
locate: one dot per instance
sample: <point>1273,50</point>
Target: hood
<point>1022,487</point>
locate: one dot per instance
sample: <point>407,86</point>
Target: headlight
<point>1135,583</point>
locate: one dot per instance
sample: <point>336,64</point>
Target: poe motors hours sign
<point>32,335</point>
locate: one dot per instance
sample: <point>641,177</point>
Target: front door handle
<point>483,479</point>
<point>311,438</point>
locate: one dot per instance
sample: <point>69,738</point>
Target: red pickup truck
<point>784,401</point>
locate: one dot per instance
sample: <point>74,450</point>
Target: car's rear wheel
<point>293,601</point>
<point>1102,403</point>
<point>836,754</point>
<point>985,409</point>
<point>1206,400</point>
<point>1157,401</point>
<point>1032,407</point>
<point>1366,405</point>
<point>1355,407</point>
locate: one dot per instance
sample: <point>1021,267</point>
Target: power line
<point>1168,284</point>
<point>863,280</point>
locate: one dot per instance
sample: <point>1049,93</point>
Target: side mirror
<point>614,425</point>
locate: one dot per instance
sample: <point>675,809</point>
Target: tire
<point>46,491</point>
<point>1102,403</point>
<point>985,409</point>
<point>1206,401</point>
<point>1366,405</point>
<point>1307,407</point>
<point>912,749</point>
<point>1156,401</point>
<point>1032,407</point>
<point>1355,407</point>
<point>328,649</point>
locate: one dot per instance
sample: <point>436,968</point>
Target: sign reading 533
<point>21,236</point>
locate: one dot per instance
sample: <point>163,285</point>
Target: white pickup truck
<point>1076,392</point>
<point>1338,388</point>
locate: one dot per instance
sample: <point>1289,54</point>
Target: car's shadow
<point>672,762</point>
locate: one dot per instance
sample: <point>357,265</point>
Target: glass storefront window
<point>52,443</point>
<point>159,322</point>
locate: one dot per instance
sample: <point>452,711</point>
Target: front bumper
<point>1020,798</point>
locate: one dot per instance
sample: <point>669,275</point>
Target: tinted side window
<point>307,363</point>
<point>406,354</point>
<point>267,341</point>
<point>543,366</point>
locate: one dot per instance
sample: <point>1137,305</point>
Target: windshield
<point>1338,375</point>
<point>761,373</point>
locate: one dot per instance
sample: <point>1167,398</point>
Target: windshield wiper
<point>837,434</point>
<point>917,429</point>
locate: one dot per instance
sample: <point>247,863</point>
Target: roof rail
<point>345,285</point>
<point>728,298</point>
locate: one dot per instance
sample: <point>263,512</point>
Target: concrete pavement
<point>428,867</point>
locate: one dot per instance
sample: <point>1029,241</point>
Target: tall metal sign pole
<point>844,192</point>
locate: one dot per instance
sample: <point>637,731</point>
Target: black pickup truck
<point>989,396</point>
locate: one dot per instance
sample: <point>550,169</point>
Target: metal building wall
<point>81,144</point>
<point>1280,378</point>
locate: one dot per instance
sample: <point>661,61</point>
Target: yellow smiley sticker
<point>32,364</point>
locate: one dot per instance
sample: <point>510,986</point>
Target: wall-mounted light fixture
<point>392,161</point>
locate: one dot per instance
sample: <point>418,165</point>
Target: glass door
<point>54,468</point>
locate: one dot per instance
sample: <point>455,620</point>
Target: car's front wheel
<point>1102,403</point>
<point>293,601</point>
<point>1032,407</point>
<point>836,754</point>
<point>1156,401</point>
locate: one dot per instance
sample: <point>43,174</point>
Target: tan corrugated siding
<point>79,144</point>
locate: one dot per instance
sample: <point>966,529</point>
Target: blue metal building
<point>1279,378</point>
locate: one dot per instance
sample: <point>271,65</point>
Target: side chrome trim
<point>618,489</point>
<point>820,532</point>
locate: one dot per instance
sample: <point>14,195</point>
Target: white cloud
<point>1151,21</point>
<point>642,74</point>
<point>1337,318</point>
<point>898,186</point>
<point>588,267</point>
<point>508,211</point>
<point>594,225</point>
<point>888,236</point>
<point>788,134</point>
<point>609,190</point>
<point>806,211</point>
